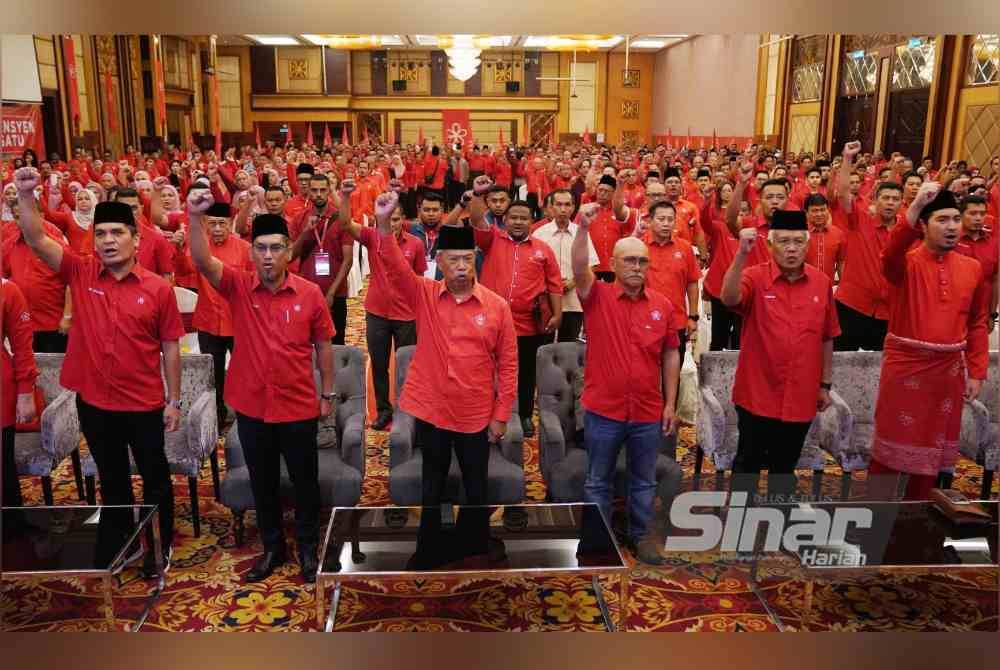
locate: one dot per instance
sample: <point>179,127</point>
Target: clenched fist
<point>928,191</point>
<point>748,237</point>
<point>27,179</point>
<point>851,149</point>
<point>385,205</point>
<point>347,187</point>
<point>481,184</point>
<point>397,186</point>
<point>199,200</point>
<point>588,213</point>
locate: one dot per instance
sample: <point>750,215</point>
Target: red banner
<point>161,105</point>
<point>109,101</point>
<point>216,116</point>
<point>21,128</point>
<point>455,127</point>
<point>74,101</point>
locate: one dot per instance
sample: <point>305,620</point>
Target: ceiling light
<point>649,44</point>
<point>391,40</point>
<point>570,42</point>
<point>499,40</point>
<point>427,40</point>
<point>273,40</point>
<point>463,57</point>
<point>355,41</point>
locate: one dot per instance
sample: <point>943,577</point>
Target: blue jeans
<point>604,438</point>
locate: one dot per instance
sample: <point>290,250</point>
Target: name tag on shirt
<point>322,264</point>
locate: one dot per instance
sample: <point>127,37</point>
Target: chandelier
<point>463,58</point>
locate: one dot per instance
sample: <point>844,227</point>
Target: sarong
<point>918,416</point>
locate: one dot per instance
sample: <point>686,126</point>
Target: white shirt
<point>561,242</point>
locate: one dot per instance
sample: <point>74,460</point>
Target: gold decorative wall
<point>300,70</point>
<point>982,133</point>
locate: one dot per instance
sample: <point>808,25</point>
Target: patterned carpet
<point>205,591</point>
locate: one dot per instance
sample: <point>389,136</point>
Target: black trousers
<point>527,351</point>
<point>11,485</point>
<point>49,342</point>
<point>110,435</point>
<point>604,276</point>
<point>536,206</point>
<point>859,331</point>
<point>339,314</point>
<point>569,329</point>
<point>725,327</point>
<point>767,443</point>
<point>473,453</point>
<point>383,335</point>
<point>409,200</point>
<point>217,346</point>
<point>264,444</point>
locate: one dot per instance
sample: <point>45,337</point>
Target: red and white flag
<point>586,136</point>
<point>74,101</point>
<point>309,133</point>
<point>257,133</point>
<point>327,140</point>
<point>456,127</point>
<point>343,135</point>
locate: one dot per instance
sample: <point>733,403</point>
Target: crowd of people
<point>479,256</point>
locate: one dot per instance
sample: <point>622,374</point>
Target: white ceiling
<point>639,43</point>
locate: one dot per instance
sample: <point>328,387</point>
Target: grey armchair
<point>341,469</point>
<point>980,439</point>
<point>506,462</point>
<point>717,430</point>
<point>39,454</point>
<point>564,461</point>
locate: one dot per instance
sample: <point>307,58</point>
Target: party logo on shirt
<point>656,315</point>
<point>298,308</point>
<point>678,254</point>
<point>25,316</point>
<point>480,319</point>
<point>539,256</point>
<point>141,301</point>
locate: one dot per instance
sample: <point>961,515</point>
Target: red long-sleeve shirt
<point>17,371</point>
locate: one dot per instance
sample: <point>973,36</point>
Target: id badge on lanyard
<point>322,264</point>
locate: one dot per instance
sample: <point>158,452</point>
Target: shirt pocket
<point>138,313</point>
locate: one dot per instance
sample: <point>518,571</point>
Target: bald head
<point>630,246</point>
<point>630,262</point>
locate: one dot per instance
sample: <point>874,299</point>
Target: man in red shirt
<point>773,198</point>
<point>462,377</point>
<point>523,270</point>
<point>978,242</point>
<point>434,169</point>
<point>279,320</point>
<point>124,317</point>
<point>17,377</point>
<point>300,187</point>
<point>688,226</point>
<point>630,327</point>
<point>936,350</point>
<point>154,252</point>
<point>786,352</point>
<point>862,294</point>
<point>613,221</point>
<point>326,253</point>
<point>826,243</point>
<point>389,319</point>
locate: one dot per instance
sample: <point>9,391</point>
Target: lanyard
<point>319,239</point>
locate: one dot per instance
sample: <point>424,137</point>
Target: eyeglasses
<point>638,261</point>
<point>275,249</point>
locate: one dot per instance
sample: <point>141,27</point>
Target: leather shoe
<point>308,564</point>
<point>528,428</point>
<point>382,421</point>
<point>265,565</point>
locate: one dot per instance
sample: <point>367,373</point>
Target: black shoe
<point>528,428</point>
<point>265,565</point>
<point>308,563</point>
<point>382,421</point>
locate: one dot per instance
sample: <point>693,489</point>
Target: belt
<point>928,346</point>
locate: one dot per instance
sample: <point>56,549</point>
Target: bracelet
<point>825,385</point>
<point>328,396</point>
<point>995,315</point>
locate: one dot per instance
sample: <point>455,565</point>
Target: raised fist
<point>481,184</point>
<point>257,190</point>
<point>851,149</point>
<point>928,191</point>
<point>397,186</point>
<point>27,179</point>
<point>177,238</point>
<point>74,188</point>
<point>588,213</point>
<point>385,205</point>
<point>347,187</point>
<point>199,200</point>
<point>159,183</point>
<point>746,169</point>
<point>748,237</point>
<point>466,198</point>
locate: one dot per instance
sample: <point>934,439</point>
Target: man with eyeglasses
<point>279,319</point>
<point>629,328</point>
<point>786,351</point>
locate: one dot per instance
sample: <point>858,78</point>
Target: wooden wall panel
<point>263,70</point>
<point>338,66</point>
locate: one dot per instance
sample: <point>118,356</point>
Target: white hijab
<point>85,219</point>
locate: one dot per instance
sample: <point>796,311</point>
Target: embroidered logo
<point>656,315</point>
<point>905,419</point>
<point>539,256</point>
<point>142,301</point>
<point>25,317</point>
<point>946,406</point>
<point>678,254</point>
<point>95,290</point>
<point>480,319</point>
<point>815,298</point>
<point>298,308</point>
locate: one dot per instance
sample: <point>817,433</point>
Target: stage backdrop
<point>455,124</point>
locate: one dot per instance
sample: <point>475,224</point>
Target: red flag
<point>456,127</point>
<point>343,134</point>
<point>670,138</point>
<point>309,133</point>
<point>554,137</point>
<point>501,136</point>
<point>74,100</point>
<point>420,136</point>
<point>715,140</point>
<point>701,141</point>
<point>749,143</point>
<point>161,87</point>
<point>216,116</point>
<point>257,131</point>
<point>364,133</point>
<point>109,100</point>
<point>687,140</point>
<point>327,140</point>
<point>586,136</point>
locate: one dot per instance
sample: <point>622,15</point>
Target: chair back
<point>855,378</point>
<point>717,371</point>
<point>556,367</point>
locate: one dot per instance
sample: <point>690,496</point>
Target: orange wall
<point>615,123</point>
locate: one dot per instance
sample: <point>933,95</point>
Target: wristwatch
<point>694,317</point>
<point>176,404</point>
<point>826,385</point>
<point>995,315</point>
<point>328,396</point>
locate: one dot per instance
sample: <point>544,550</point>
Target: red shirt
<point>760,252</point>
<point>723,248</point>
<point>44,291</point>
<point>781,344</point>
<point>984,250</point>
<point>623,378</point>
<point>113,357</point>
<point>862,286</point>
<point>270,376</point>
<point>382,299</point>
<point>211,314</point>
<point>672,266</point>
<point>435,167</point>
<point>605,231</point>
<point>464,372</point>
<point>295,205</point>
<point>17,372</point>
<point>155,253</point>
<point>688,226</point>
<point>334,240</point>
<point>503,174</point>
<point>941,299</point>
<point>81,240</point>
<point>520,272</point>
<point>826,249</point>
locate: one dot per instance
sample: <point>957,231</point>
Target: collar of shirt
<point>776,274</point>
<point>983,237</point>
<point>477,291</point>
<point>288,284</point>
<point>136,270</point>
<point>651,239</point>
<point>619,292</point>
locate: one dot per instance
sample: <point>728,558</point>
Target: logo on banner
<point>457,134</point>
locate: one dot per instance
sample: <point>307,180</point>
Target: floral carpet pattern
<point>205,590</point>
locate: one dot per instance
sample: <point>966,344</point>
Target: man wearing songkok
<point>786,352</point>
<point>124,317</point>
<point>612,223</point>
<point>461,382</point>
<point>772,198</point>
<point>936,350</point>
<point>279,319</point>
<point>630,379</point>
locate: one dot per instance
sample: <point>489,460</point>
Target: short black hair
<point>815,200</point>
<point>661,204</point>
<point>496,188</point>
<point>812,170</point>
<point>433,197</point>
<point>522,203</point>
<point>121,192</point>
<point>556,192</point>
<point>972,200</point>
<point>783,183</point>
<point>274,187</point>
<point>319,176</point>
<point>888,186</point>
<point>912,173</point>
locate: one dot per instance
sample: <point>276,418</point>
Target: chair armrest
<point>352,443</point>
<point>974,438</point>
<point>711,421</point>
<point>401,438</point>
<point>202,426</point>
<point>834,432</point>
<point>60,427</point>
<point>512,443</point>
<point>234,450</point>
<point>551,441</point>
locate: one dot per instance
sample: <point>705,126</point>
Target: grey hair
<point>770,235</point>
